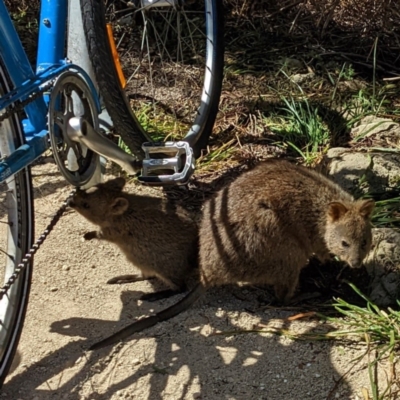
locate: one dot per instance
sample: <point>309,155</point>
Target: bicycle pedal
<point>167,163</point>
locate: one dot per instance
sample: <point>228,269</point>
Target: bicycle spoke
<point>163,53</point>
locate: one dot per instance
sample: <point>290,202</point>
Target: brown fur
<point>158,239</point>
<point>263,227</point>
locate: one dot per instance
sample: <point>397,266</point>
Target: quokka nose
<point>356,262</point>
<point>70,202</point>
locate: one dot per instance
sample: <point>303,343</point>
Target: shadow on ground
<point>289,369</point>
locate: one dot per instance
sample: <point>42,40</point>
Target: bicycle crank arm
<point>81,131</point>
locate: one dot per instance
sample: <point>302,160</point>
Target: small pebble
<point>66,267</point>
<point>53,289</point>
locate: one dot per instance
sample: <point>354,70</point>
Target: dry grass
<point>343,54</point>
<point>347,48</point>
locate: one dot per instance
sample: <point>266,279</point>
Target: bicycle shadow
<point>181,351</point>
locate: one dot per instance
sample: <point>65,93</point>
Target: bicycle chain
<point>35,247</point>
<point>11,110</point>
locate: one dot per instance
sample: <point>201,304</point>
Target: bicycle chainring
<point>71,97</point>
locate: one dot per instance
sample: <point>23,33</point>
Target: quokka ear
<point>116,184</point>
<point>336,210</point>
<point>119,206</point>
<point>366,208</point>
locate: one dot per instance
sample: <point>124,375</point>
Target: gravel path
<point>72,306</point>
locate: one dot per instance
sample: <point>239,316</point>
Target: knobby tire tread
<point>124,121</point>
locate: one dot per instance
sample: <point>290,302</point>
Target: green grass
<point>347,72</point>
<point>364,102</point>
<point>160,125</point>
<point>387,213</point>
<point>217,155</point>
<point>299,126</point>
<point>379,329</point>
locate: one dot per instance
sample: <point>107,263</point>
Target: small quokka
<point>263,227</point>
<point>159,239</point>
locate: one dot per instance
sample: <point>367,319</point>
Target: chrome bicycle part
<point>181,163</point>
<point>79,130</point>
<point>71,97</point>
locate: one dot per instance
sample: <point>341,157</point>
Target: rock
<point>301,78</point>
<point>383,129</point>
<point>346,168</point>
<point>359,173</point>
<point>383,265</point>
<point>376,173</point>
<point>354,84</point>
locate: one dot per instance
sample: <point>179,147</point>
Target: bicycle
<point>57,107</point>
<point>166,43</point>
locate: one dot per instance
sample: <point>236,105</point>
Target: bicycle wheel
<point>171,54</point>
<point>16,235</point>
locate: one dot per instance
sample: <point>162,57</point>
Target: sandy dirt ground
<point>71,307</point>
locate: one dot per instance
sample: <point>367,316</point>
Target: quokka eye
<point>85,205</point>
<point>344,244</point>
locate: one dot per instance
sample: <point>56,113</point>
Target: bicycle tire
<point>16,238</point>
<point>124,121</point>
<point>199,38</point>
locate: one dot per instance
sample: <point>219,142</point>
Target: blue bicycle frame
<point>51,62</point>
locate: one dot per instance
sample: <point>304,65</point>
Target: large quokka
<point>157,238</point>
<point>262,229</point>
